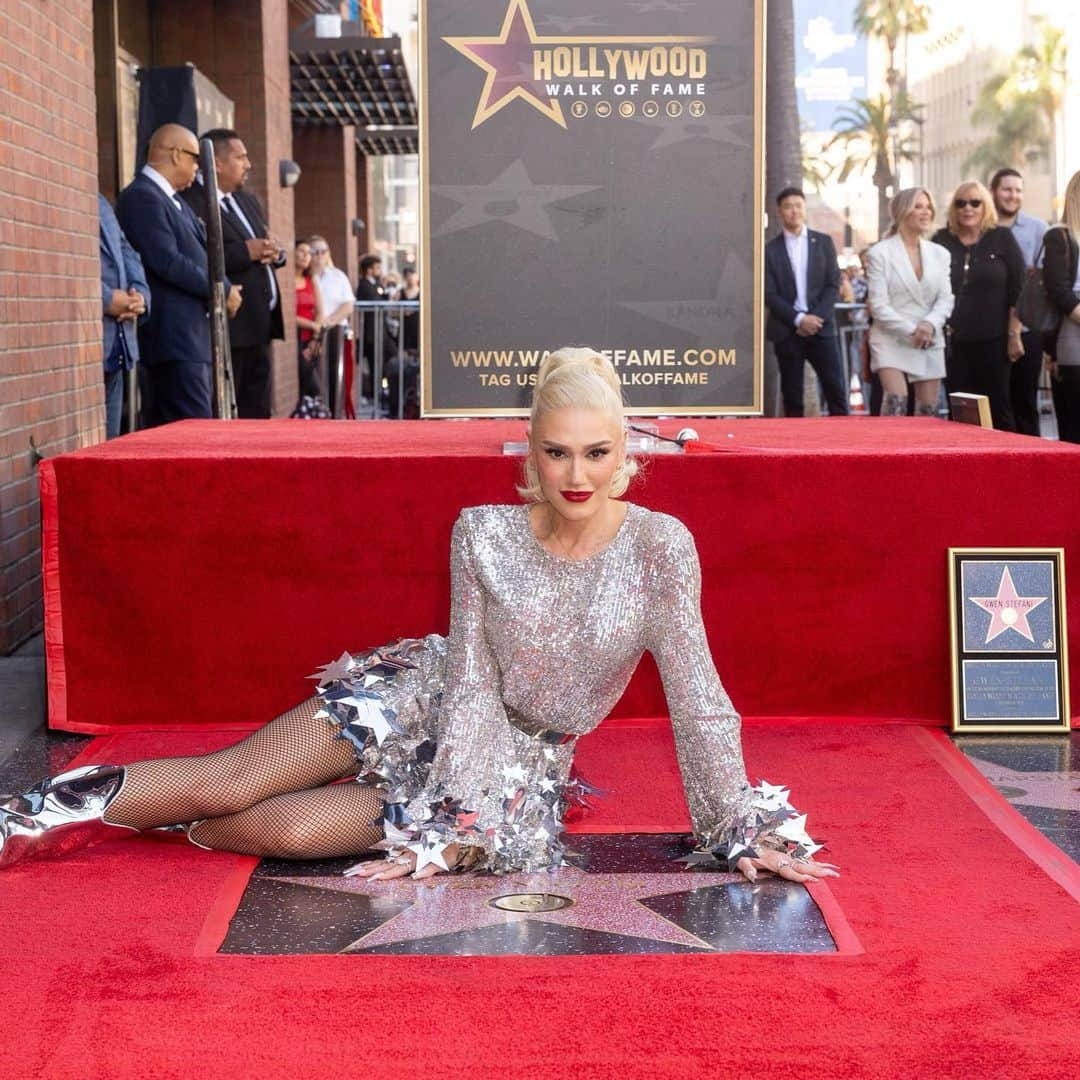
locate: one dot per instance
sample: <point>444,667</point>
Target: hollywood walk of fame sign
<point>592,176</point>
<point>1009,654</point>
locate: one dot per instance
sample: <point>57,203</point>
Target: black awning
<point>351,80</point>
<point>374,142</point>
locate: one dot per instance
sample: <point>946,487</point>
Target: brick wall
<point>326,196</point>
<point>51,391</point>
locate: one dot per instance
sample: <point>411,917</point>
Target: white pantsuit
<point>899,301</point>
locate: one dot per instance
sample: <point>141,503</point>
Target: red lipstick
<point>576,496</point>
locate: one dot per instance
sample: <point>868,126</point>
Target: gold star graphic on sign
<point>507,59</point>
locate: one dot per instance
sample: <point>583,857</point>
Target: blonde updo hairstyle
<point>576,378</point>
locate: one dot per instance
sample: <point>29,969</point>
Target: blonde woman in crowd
<point>910,297</point>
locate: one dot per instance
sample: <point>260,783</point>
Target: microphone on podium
<point>687,434</point>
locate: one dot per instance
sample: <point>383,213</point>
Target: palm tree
<point>1018,126</point>
<point>815,170</point>
<point>891,21</point>
<point>873,131</point>
<point>1024,105</point>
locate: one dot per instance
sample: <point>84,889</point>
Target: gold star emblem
<point>507,59</point>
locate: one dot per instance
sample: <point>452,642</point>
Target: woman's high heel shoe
<point>59,814</point>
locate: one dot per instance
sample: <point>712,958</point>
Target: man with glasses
<point>175,377</point>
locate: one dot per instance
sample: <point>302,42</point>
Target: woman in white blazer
<point>910,297</point>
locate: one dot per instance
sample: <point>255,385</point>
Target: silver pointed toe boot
<point>59,814</point>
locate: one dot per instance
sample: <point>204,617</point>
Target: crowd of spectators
<point>925,309</point>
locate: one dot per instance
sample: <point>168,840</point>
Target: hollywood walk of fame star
<point>1050,790</point>
<point>700,319</point>
<point>525,201</point>
<point>1007,610</point>
<point>609,903</point>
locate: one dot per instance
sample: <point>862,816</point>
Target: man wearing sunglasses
<point>175,369</point>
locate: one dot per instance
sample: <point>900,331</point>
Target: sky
<point>830,61</point>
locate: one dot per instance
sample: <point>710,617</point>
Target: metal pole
<point>133,397</point>
<point>377,364</point>
<point>401,365</point>
<point>224,390</point>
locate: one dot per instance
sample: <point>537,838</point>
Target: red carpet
<point>968,971</point>
<point>236,557</point>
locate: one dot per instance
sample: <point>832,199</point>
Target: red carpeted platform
<point>195,574</point>
<point>969,951</point>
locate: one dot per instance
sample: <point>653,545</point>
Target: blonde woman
<point>463,745</point>
<point>987,275</point>
<point>1061,272</point>
<point>910,295</point>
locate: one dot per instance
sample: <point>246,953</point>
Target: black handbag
<point>1034,308</point>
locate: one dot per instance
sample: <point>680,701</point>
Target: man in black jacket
<point>802,279</point>
<point>251,256</point>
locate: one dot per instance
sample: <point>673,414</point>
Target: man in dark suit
<point>174,342</point>
<point>251,256</point>
<point>802,279</point>
<point>370,287</point>
<point>125,300</point>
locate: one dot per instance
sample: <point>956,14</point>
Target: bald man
<point>175,376</point>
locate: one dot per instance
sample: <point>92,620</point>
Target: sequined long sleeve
<point>705,723</point>
<point>474,744</point>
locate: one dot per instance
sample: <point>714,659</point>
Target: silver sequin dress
<point>478,729</point>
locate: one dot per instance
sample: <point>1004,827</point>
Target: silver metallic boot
<point>59,814</point>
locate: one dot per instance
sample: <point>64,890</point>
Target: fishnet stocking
<point>321,824</point>
<point>295,752</point>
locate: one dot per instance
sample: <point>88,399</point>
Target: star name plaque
<point>1008,629</point>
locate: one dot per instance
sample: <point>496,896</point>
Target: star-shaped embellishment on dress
<point>429,851</point>
<point>507,59</point>
<point>794,829</point>
<point>337,669</point>
<point>770,798</point>
<point>370,711</point>
<point>1008,611</point>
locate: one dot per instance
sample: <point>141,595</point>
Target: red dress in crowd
<point>305,307</point>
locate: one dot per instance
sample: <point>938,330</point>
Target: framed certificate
<point>1009,652</point>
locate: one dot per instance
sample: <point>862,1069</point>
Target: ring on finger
<point>403,860</point>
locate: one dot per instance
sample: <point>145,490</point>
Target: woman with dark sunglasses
<point>987,275</point>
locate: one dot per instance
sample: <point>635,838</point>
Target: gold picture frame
<point>1008,640</point>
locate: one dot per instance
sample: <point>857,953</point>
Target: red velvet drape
<point>195,574</point>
